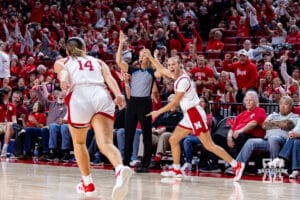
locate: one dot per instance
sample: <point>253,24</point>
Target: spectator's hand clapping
<point>230,142</point>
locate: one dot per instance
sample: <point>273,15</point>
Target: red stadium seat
<point>230,33</point>
<point>230,47</point>
<point>230,40</point>
<point>213,55</point>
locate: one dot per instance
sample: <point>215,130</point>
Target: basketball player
<point>194,119</point>
<point>90,104</point>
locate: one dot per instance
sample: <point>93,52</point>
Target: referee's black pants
<point>137,108</point>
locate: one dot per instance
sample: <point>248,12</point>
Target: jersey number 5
<point>87,64</point>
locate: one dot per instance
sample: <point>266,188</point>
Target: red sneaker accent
<point>118,174</point>
<point>172,173</point>
<point>157,158</point>
<point>237,168</point>
<point>88,190</point>
<point>238,171</point>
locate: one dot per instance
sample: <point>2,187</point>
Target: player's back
<point>84,71</point>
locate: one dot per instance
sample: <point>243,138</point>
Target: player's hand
<point>153,114</point>
<point>64,85</point>
<point>120,101</point>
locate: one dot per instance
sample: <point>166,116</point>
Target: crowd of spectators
<point>227,47</point>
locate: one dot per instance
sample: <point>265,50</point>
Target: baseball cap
<point>243,52</point>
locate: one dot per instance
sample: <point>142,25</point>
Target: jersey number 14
<point>87,65</point>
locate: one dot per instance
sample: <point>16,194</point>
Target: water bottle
<point>194,163</point>
<point>197,162</point>
<point>36,152</point>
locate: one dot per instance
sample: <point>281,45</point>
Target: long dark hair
<point>206,109</point>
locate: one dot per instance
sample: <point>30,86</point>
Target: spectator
<point>251,14</point>
<point>4,61</point>
<point>202,74</point>
<point>277,126</point>
<point>278,33</point>
<point>247,46</point>
<point>7,118</point>
<point>245,72</point>
<point>262,48</point>
<point>33,129</point>
<point>215,43</point>
<point>294,35</point>
<point>56,126</point>
<point>247,124</point>
<point>22,114</point>
<point>175,38</point>
<point>290,152</point>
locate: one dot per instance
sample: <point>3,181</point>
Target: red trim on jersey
<point>67,101</point>
<point>67,59</point>
<point>197,122</point>
<point>181,126</point>
<point>180,80</point>
<point>76,125</point>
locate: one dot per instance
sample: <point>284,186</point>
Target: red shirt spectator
<point>175,38</point>
<point>7,111</point>
<point>39,117</point>
<point>243,28</point>
<point>294,35</point>
<point>202,75</point>
<point>215,43</point>
<point>257,114</point>
<point>245,71</point>
<point>37,11</point>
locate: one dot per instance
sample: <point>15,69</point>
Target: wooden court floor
<point>39,181</point>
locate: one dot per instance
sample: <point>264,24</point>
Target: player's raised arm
<point>171,105</point>
<point>160,69</point>
<point>121,63</point>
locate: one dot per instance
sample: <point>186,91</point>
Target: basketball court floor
<point>26,180</point>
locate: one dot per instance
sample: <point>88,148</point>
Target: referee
<point>138,105</point>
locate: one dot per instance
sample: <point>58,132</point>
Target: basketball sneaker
<point>88,190</point>
<point>294,174</point>
<point>238,171</point>
<point>186,167</point>
<point>172,173</point>
<point>121,188</point>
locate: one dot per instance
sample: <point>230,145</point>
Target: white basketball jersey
<point>84,71</point>
<point>190,98</point>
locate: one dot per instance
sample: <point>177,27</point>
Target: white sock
<point>176,166</point>
<point>4,149</point>
<point>87,179</point>
<point>233,163</point>
<point>118,168</point>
